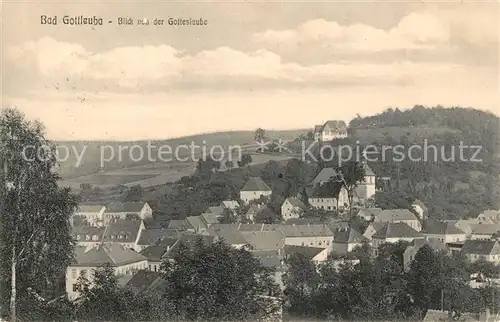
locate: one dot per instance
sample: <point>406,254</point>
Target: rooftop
<point>122,207</point>
<point>113,254</point>
<point>396,230</point>
<point>255,184</point>
<point>481,247</point>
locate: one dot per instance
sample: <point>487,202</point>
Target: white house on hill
<point>254,189</point>
<point>330,130</point>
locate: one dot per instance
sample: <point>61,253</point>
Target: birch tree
<point>35,241</point>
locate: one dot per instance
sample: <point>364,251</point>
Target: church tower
<point>366,190</point>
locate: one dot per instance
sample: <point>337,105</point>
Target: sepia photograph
<point>333,160</point>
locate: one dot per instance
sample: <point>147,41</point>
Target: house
<point>324,176</point>
<point>145,282</point>
<point>189,241</point>
<point>292,208</point>
<point>90,214</point>
<point>420,209</point>
<point>493,215</point>
<point>393,232</point>
<point>415,245</point>
<point>372,228</point>
<point>124,232</point>
<point>230,205</point>
<point>127,210</point>
<point>333,130</point>
<point>155,252</point>
<point>124,262</point>
<point>346,240</point>
<point>252,212</point>
<point>253,189</point>
<point>87,236</point>
<point>327,204</point>
<point>485,231</point>
<point>149,237</point>
<point>231,237</point>
<point>489,250</point>
<point>368,214</point>
<point>305,235</point>
<point>195,224</point>
<point>264,240</point>
<point>313,254</point>
<point>399,216</point>
<point>261,212</point>
<point>467,224</point>
<point>446,232</point>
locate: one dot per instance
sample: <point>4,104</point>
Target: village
<point>125,235</point>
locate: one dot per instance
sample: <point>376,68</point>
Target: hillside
<point>125,170</point>
<point>452,186</point>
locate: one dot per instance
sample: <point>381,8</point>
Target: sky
<point>274,65</point>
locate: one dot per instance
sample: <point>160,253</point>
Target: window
<point>74,273</point>
<point>87,237</point>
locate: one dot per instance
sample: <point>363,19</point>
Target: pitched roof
<point>481,247</point>
<point>339,126</point>
<point>156,251</point>
<point>230,204</point>
<point>348,236</point>
<point>433,243</point>
<point>269,258</point>
<point>195,222</point>
<point>375,225</point>
<point>264,240</point>
<point>369,212</point>
<point>142,280</point>
<point>189,241</point>
<point>83,208</point>
<point>229,236</point>
<point>80,233</point>
<point>255,184</point>
<point>179,224</point>
<point>302,230</point>
<point>308,252</point>
<point>128,207</point>
<point>391,215</point>
<point>419,203</point>
<point>493,214</point>
<point>151,236</point>
<point>216,210</point>
<point>324,175</point>
<point>113,254</point>
<point>485,229</point>
<point>122,230</point>
<point>396,230</point>
<point>296,202</point>
<point>436,227</point>
<point>210,218</point>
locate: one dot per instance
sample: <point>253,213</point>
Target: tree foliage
<point>219,283</point>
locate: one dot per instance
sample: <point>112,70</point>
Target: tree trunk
<point>13,285</point>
